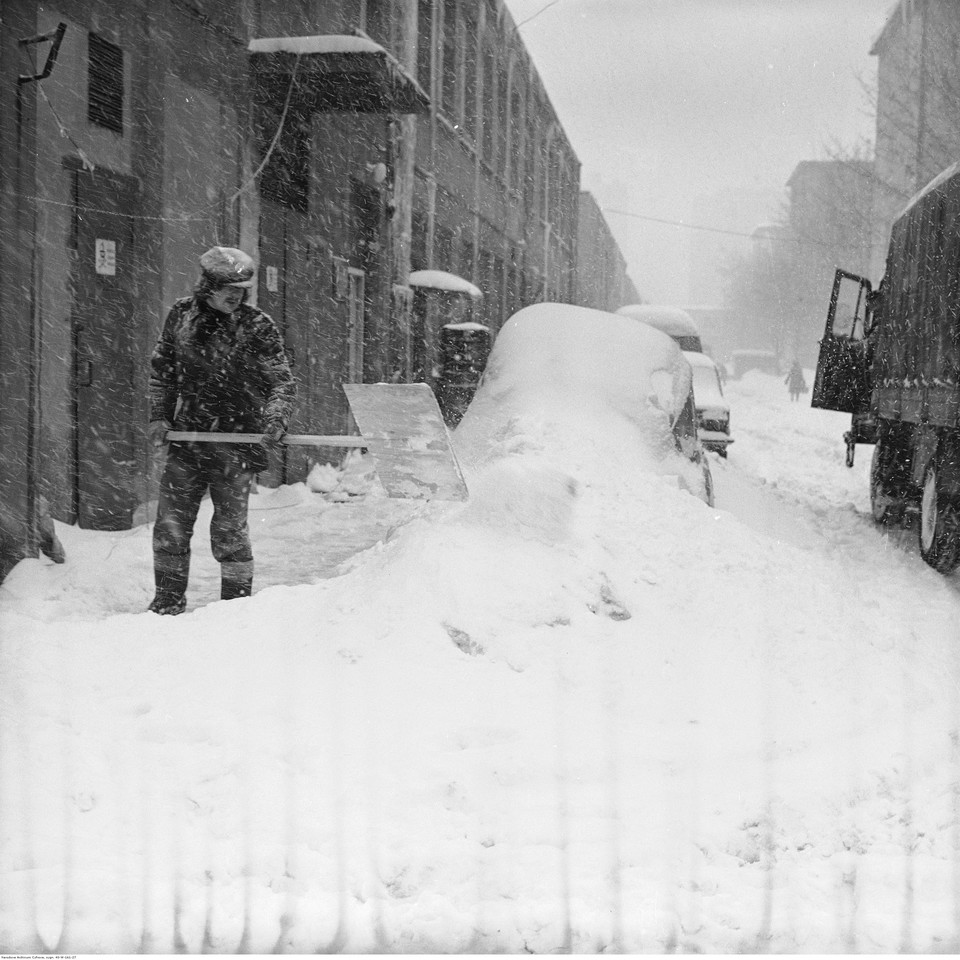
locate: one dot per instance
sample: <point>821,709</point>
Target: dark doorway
<point>284,292</point>
<point>107,405</point>
<point>367,255</point>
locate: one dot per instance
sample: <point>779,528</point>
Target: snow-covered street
<point>581,712</point>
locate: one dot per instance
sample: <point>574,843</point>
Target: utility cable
<point>186,218</point>
<point>732,233</point>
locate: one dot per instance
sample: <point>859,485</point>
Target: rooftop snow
<point>671,320</point>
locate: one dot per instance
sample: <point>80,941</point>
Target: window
<point>489,99</point>
<point>418,242</point>
<point>286,177</point>
<point>470,67</point>
<point>448,93</point>
<point>105,84</point>
<point>515,172</point>
<point>377,23</point>
<point>424,41</point>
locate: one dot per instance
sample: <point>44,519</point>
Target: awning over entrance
<point>334,72</point>
<point>441,280</point>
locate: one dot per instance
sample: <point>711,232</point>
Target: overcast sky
<point>699,110</point>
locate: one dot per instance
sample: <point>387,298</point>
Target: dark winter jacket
<point>210,371</point>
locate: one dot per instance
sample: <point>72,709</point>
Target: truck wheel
<point>939,529</point>
<point>886,504</point>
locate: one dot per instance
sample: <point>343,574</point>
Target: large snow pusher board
<point>400,424</point>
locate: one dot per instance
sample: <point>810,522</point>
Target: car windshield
<point>706,384</point>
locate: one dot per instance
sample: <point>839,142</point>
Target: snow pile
<point>581,712</point>
<point>355,477</point>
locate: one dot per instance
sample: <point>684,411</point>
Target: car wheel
<point>939,528</point>
<point>886,501</point>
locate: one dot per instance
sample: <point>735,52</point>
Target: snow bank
<point>582,712</point>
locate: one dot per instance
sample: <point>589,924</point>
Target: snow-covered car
<point>588,382</point>
<point>713,409</point>
<point>674,322</point>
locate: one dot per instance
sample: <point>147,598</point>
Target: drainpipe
<point>26,215</point>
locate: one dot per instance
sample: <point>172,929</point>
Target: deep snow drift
<point>583,711</point>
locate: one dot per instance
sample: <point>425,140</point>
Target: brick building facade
<point>342,142</point>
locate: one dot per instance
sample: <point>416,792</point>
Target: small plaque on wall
<point>105,256</point>
<point>273,279</point>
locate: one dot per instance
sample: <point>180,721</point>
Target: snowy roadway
<point>606,720</point>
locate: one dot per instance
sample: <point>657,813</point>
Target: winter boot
<point>171,573</point>
<point>168,604</point>
<point>236,579</point>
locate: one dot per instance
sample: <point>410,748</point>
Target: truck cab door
<point>841,381</point>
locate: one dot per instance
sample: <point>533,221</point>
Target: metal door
<point>841,380</point>
<point>107,406</point>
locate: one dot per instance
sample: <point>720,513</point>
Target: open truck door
<point>842,381</point>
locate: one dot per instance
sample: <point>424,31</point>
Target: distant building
<point>712,249</point>
<point>918,101</point>
<point>831,203</point>
<point>717,328</point>
<point>602,280</point>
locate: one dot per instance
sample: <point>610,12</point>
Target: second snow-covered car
<point>713,409</point>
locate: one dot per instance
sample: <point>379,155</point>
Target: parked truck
<point>891,358</point>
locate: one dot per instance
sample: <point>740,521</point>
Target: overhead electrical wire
<point>731,233</point>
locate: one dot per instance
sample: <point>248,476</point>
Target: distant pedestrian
<point>796,384</point>
<point>219,365</point>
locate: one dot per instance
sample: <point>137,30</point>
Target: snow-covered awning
<point>337,72</point>
<point>441,280</point>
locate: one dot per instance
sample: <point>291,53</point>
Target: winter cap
<point>228,266</point>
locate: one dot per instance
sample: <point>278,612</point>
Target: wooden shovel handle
<point>293,439</point>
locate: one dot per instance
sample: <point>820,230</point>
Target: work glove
<point>273,434</point>
<point>157,432</point>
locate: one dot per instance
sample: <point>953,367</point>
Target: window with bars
<point>424,43</point>
<point>105,84</point>
<point>286,177</point>
<point>489,103</point>
<point>469,67</point>
<point>448,95</point>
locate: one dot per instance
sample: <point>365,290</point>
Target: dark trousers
<point>190,470</point>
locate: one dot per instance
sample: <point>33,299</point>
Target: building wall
<point>485,184</point>
<point>918,97</point>
<point>830,228</point>
<point>497,182</point>
<point>602,280</point>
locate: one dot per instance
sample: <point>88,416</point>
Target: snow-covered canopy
<point>466,326</point>
<point>324,43</point>
<point>671,320</point>
<point>441,280</point>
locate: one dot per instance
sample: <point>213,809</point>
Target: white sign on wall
<point>106,257</point>
<point>273,279</point>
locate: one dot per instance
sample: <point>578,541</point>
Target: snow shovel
<point>400,424</point>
